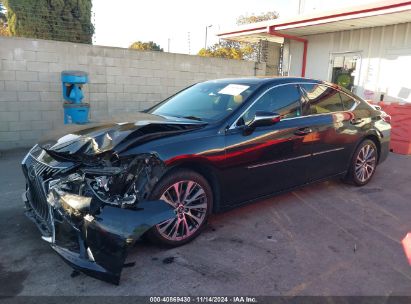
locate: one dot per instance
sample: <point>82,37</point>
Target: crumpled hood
<point>92,139</point>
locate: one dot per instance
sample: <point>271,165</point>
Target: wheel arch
<point>208,171</point>
<point>371,136</point>
<point>374,138</point>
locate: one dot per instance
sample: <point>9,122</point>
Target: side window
<point>347,101</point>
<point>322,99</point>
<point>312,93</point>
<point>284,100</point>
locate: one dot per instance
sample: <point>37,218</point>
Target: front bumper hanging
<point>97,244</point>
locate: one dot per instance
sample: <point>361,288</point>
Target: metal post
<point>205,42</point>
<point>206,30</point>
<point>272,31</point>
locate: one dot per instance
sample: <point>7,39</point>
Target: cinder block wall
<point>121,80</point>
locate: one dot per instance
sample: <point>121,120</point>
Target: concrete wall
<point>273,58</point>
<point>121,80</point>
<point>384,59</point>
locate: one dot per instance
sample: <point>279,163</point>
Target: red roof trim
<point>374,9</point>
<point>291,37</point>
<point>244,31</point>
<point>347,13</point>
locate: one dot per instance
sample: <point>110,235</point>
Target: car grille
<point>37,173</point>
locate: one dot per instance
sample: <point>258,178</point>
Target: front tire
<point>192,198</point>
<point>363,163</point>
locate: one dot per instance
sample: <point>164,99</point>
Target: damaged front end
<point>92,211</point>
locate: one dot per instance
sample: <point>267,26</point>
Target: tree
<point>227,49</point>
<point>64,20</point>
<point>3,21</point>
<point>245,19</point>
<point>2,14</point>
<point>239,50</point>
<point>146,46</point>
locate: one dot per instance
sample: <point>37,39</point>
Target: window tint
<point>322,99</point>
<point>284,100</point>
<point>347,101</point>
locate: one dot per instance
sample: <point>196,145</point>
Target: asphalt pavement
<point>328,238</point>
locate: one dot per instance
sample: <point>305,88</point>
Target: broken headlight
<point>73,204</point>
<point>121,183</point>
<point>116,185</point>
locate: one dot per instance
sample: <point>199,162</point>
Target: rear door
<point>334,130</point>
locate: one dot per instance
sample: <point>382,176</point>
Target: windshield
<point>208,101</point>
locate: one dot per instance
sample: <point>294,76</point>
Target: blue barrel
<point>76,113</point>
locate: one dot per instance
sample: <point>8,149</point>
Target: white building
<point>365,48</point>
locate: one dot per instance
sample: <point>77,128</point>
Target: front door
<point>268,159</point>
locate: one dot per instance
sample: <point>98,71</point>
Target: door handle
<point>356,121</point>
<point>303,131</point>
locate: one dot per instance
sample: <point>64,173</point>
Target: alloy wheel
<point>189,201</point>
<point>365,163</point>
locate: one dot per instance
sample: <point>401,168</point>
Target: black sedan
<point>215,145</point>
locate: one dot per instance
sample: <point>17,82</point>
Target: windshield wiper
<point>192,117</point>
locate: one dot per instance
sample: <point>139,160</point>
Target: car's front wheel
<point>191,197</point>
<point>363,163</point>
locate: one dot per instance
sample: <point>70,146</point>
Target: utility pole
<point>189,43</point>
<point>206,30</point>
<point>168,47</point>
<point>301,4</point>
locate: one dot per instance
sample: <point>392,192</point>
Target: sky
<point>179,26</point>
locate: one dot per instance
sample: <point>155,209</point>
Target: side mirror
<point>264,119</point>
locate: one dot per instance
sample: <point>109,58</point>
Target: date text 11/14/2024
<point>203,299</point>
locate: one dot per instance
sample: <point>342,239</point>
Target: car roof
<point>265,80</point>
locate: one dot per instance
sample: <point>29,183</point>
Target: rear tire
<point>363,163</point>
<point>192,199</point>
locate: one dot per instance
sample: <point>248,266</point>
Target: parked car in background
<point>213,146</point>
